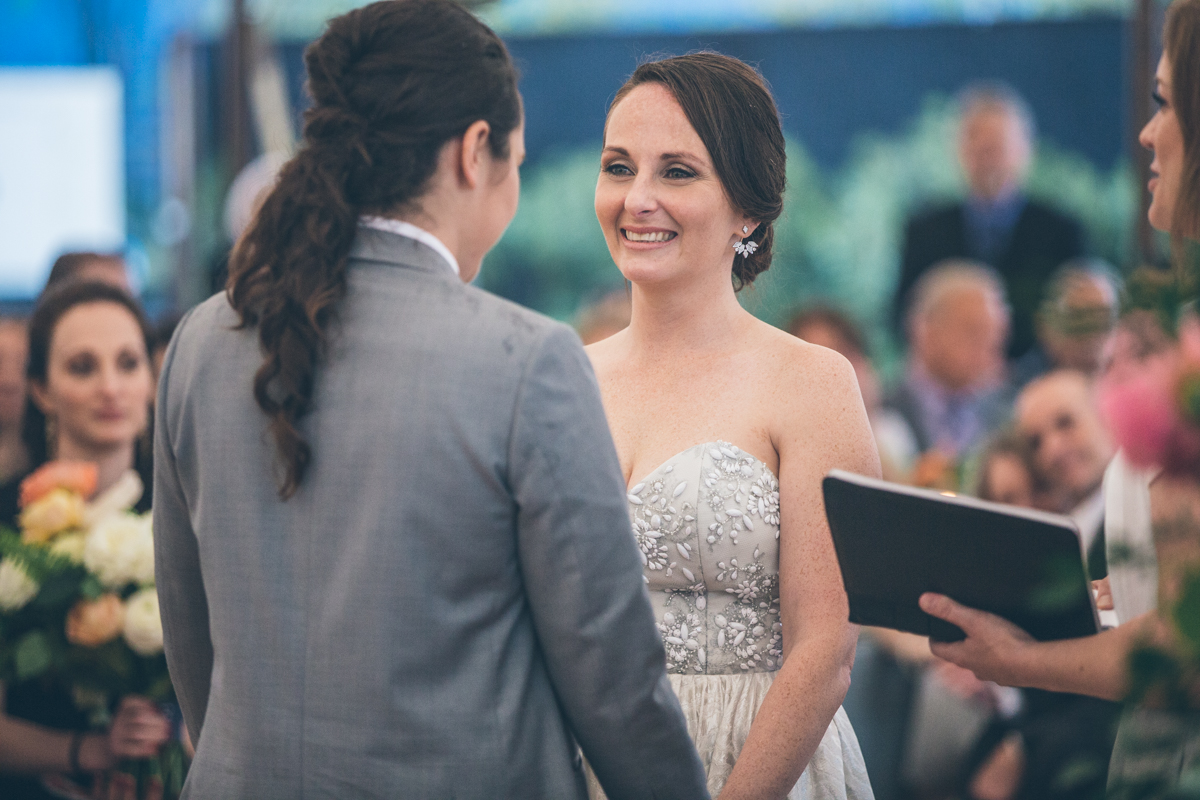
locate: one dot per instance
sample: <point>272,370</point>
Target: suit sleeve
<point>182,602</point>
<point>583,579</point>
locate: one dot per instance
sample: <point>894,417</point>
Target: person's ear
<point>40,397</point>
<point>475,154</point>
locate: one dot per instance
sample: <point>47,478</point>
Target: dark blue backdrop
<point>834,83</point>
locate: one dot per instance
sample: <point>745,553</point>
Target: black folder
<point>896,542</point>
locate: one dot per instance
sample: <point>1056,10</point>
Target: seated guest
<point>14,349</point>
<point>827,327</point>
<point>107,268</point>
<point>1058,416</point>
<point>90,388</point>
<point>1006,473</point>
<point>1075,322</point>
<point>957,324</point>
<point>997,224</point>
<point>608,315</point>
<point>1068,449</point>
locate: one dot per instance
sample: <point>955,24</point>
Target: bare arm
<point>138,730</point>
<point>996,650</point>
<point>823,426</point>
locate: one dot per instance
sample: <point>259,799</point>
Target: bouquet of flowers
<point>78,605</point>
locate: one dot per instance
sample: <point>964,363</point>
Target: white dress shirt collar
<point>412,232</point>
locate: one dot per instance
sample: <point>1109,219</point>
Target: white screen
<point>62,184</point>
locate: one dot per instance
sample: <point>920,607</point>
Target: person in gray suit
<point>393,552</point>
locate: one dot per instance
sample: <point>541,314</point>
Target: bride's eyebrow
<point>681,157</point>
<point>621,151</point>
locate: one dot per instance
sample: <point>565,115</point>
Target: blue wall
<point>832,84</point>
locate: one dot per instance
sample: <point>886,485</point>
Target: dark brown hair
<point>52,307</point>
<point>1006,443</point>
<point>69,265</point>
<point>391,82</point>
<point>1181,42</point>
<point>833,319</point>
<point>731,109</point>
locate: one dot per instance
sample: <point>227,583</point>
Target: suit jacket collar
<point>385,247</point>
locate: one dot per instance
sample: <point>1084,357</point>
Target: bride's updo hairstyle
<point>731,109</point>
<point>391,84</point>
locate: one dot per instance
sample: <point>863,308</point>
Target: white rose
<point>143,625</point>
<point>16,587</point>
<point>69,545</point>
<point>120,550</point>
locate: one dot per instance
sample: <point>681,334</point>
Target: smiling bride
<point>725,427</point>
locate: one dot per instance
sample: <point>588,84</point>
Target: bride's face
<point>664,211</point>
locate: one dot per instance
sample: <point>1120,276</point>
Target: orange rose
<point>92,623</point>
<point>55,512</point>
<point>74,476</point>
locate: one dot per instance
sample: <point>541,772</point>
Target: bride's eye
<point>680,173</point>
<point>618,169</point>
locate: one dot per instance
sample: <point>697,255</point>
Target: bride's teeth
<point>657,236</point>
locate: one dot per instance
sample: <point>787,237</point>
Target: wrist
<point>94,755</point>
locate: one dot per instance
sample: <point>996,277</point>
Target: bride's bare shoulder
<point>803,368</point>
<point>607,353</point>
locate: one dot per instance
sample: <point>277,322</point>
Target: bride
<point>725,427</point>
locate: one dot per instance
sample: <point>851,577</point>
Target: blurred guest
<point>107,268</point>
<point>14,349</point>
<point>957,325</point>
<point>1023,239</point>
<point>1006,473</point>
<point>1074,323</point>
<point>830,328</point>
<point>603,318</point>
<point>1058,416</point>
<point>90,387</point>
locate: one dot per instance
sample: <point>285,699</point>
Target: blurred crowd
<point>1006,323</point>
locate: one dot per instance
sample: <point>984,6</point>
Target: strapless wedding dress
<point>707,525</point>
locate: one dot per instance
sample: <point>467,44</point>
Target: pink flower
<point>1140,407</point>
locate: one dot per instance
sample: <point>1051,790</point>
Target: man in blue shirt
<point>1022,239</point>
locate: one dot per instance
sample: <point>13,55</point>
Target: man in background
<point>1058,416</point>
<point>957,324</point>
<point>1022,239</point>
<point>1075,322</point>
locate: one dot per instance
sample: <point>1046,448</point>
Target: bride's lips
<point>642,238</point>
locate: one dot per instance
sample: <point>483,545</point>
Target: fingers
<point>942,607</point>
<point>138,730</point>
<point>1103,591</point>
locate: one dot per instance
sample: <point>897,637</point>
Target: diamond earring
<point>745,249</point>
<point>745,229</point>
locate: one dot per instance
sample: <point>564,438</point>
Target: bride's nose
<point>640,200</point>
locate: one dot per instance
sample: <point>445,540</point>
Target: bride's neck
<point>691,315</point>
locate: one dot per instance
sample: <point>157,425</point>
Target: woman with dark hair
<point>393,553</point>
<point>90,389</point>
<point>725,426</point>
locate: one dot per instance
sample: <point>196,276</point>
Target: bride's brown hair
<point>731,109</point>
<point>392,83</point>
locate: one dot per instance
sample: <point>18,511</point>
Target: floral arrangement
<point>78,604</point>
<point>1153,407</point>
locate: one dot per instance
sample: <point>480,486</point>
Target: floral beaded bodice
<point>707,525</point>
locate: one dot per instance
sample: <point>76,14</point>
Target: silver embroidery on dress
<point>707,526</point>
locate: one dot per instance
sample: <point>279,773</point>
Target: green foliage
<point>837,242</point>
<point>33,656</point>
<point>1186,614</point>
<point>38,562</point>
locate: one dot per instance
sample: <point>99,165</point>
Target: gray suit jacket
<point>452,598</point>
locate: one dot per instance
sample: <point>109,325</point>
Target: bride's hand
<point>994,647</point>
